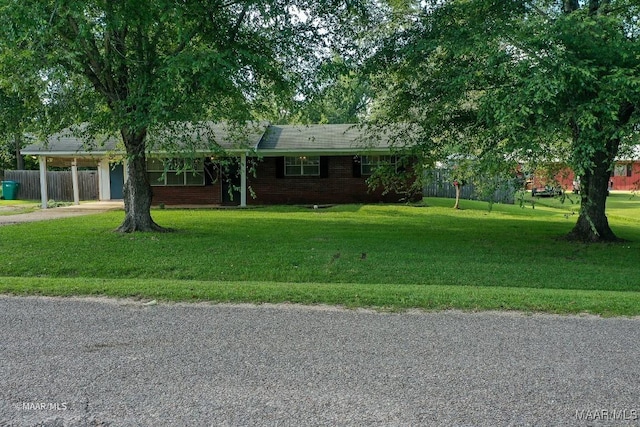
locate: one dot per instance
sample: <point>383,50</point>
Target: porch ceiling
<point>65,162</point>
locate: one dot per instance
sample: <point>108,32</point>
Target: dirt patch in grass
<point>16,209</point>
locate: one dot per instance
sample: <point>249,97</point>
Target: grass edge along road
<point>380,297</point>
<point>507,259</point>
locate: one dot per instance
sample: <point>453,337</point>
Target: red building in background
<point>624,177</point>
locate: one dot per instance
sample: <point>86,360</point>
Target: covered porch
<point>106,169</point>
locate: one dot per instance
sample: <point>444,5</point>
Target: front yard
<point>382,256</point>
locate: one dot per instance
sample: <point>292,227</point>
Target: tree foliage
<point>19,106</point>
<point>517,81</point>
<point>10,131</point>
<point>139,68</point>
<point>342,99</point>
<point>334,92</point>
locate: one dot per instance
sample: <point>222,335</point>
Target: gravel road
<point>95,362</point>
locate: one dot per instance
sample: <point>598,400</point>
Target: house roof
<point>205,137</point>
<point>208,137</point>
<point>69,142</point>
<point>342,138</point>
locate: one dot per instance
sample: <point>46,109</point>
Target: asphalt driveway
<point>90,362</point>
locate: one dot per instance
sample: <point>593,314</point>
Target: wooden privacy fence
<point>437,184</point>
<point>59,184</point>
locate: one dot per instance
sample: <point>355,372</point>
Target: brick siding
<point>340,186</point>
<point>188,195</point>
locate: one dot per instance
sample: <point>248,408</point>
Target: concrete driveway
<point>62,212</point>
<point>94,362</point>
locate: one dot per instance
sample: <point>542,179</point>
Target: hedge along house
<point>266,164</point>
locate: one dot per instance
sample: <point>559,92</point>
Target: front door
<point>116,181</point>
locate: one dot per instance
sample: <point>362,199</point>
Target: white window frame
<point>623,169</point>
<point>173,173</point>
<point>302,166</point>
<point>368,164</point>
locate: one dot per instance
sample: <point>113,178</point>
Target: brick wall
<point>340,186</point>
<point>196,195</point>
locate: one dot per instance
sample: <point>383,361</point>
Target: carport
<point>65,150</point>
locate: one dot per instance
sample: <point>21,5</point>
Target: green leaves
<point>534,81</point>
<point>525,69</point>
<point>161,61</point>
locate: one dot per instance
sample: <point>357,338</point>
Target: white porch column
<point>44,195</point>
<point>74,180</point>
<point>243,180</point>
<point>104,185</point>
<point>125,169</point>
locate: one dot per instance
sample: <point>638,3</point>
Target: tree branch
<point>233,33</point>
<point>95,67</point>
<point>570,6</point>
<point>539,11</point>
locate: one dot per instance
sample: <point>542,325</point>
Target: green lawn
<point>13,207</point>
<point>17,208</point>
<point>391,257</point>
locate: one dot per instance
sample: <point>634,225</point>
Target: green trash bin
<point>10,190</point>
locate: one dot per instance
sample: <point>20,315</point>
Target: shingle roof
<point>209,137</point>
<point>304,138</point>
<point>68,142</point>
<point>200,137</point>
<point>266,139</point>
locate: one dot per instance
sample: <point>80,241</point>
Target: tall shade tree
<point>13,115</point>
<point>342,98</point>
<point>19,106</point>
<point>513,81</point>
<point>137,67</point>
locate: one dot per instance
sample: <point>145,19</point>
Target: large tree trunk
<point>18,146</point>
<point>137,190</point>
<point>593,225</point>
